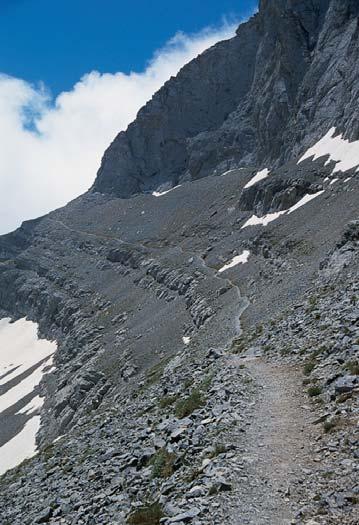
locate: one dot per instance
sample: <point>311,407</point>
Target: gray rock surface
<point>257,99</point>
<point>185,393</point>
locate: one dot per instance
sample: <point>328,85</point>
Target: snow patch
<point>20,351</point>
<point>304,200</point>
<point>266,219</point>
<point>35,403</point>
<point>22,389</point>
<point>160,193</point>
<point>20,447</point>
<point>263,221</point>
<point>230,171</point>
<point>261,175</point>
<point>20,347</point>
<point>341,151</point>
<point>186,340</point>
<point>238,259</point>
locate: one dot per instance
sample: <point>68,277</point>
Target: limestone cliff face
<point>288,75</point>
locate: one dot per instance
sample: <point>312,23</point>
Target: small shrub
<point>162,464</point>
<point>314,391</point>
<point>155,373</point>
<point>309,367</point>
<point>239,344</point>
<point>206,383</point>
<point>320,350</point>
<point>330,424</point>
<point>285,350</point>
<point>313,300</point>
<point>167,401</point>
<point>187,383</point>
<point>353,367</point>
<point>193,475</point>
<point>150,514</point>
<point>185,407</point>
<point>259,329</point>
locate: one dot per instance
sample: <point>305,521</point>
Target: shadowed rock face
<point>246,101</point>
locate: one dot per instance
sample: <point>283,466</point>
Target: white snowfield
<point>238,259</point>
<point>35,403</point>
<point>161,193</point>
<point>341,151</point>
<point>263,221</point>
<point>261,175</point>
<point>20,347</point>
<point>21,447</point>
<point>304,200</point>
<point>266,219</point>
<point>230,171</point>
<point>344,153</point>
<point>21,350</point>
<point>22,389</point>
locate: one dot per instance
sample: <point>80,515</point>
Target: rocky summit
<point>204,297</point>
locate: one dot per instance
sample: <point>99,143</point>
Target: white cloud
<point>51,149</point>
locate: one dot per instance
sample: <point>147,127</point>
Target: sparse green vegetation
<point>318,351</point>
<point>239,345</point>
<point>185,407</point>
<point>187,383</point>
<point>309,367</point>
<point>193,474</point>
<point>353,367</point>
<point>167,401</point>
<point>314,391</point>
<point>331,424</point>
<point>48,451</point>
<point>206,383</point>
<point>285,350</point>
<point>259,329</point>
<point>162,464</point>
<point>154,374</point>
<point>328,474</point>
<point>313,300</point>
<point>149,514</point>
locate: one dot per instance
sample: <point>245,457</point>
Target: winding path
<point>276,449</point>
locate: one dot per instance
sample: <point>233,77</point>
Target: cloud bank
<point>51,149</point>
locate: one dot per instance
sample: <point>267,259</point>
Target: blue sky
<point>74,73</point>
<point>58,42</point>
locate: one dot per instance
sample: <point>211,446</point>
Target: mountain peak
<point>249,94</point>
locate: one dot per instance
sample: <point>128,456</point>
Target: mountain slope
<point>173,310</point>
<point>257,99</point>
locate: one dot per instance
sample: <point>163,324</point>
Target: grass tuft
<point>314,391</point>
<point>185,407</point>
<point>162,464</point>
<point>149,514</point>
<point>309,367</point>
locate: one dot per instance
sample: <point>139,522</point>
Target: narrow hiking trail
<point>275,451</point>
